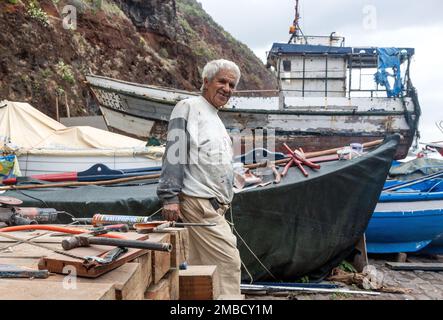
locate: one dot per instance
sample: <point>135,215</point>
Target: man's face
<point>220,88</point>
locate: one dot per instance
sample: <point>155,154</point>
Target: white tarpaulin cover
<point>24,129</point>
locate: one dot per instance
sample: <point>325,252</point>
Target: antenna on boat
<point>439,125</point>
<point>295,29</point>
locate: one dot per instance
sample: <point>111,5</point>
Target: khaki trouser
<point>212,245</point>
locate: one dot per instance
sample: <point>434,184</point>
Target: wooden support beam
<point>361,258</point>
<point>159,291</point>
<point>415,266</point>
<point>180,246</point>
<point>161,261</point>
<point>174,284</point>
<point>145,262</point>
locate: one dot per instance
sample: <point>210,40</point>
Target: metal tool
<point>248,287</point>
<point>158,226</point>
<point>13,215</point>
<point>82,241</point>
<point>73,242</point>
<point>88,262</point>
<point>12,271</point>
<point>9,201</point>
<point>40,215</point>
<point>110,257</point>
<point>8,236</point>
<point>8,214</point>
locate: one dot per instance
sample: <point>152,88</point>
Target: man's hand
<point>171,212</point>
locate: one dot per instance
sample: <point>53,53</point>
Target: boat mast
<point>295,29</point>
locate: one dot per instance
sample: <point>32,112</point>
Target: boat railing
<point>256,93</point>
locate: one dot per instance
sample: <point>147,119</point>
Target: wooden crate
<point>199,283</point>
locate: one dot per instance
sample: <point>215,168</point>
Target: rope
<point>250,250</point>
<point>155,213</point>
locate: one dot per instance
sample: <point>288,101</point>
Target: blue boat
<point>408,217</point>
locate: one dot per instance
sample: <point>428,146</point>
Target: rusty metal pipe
<point>75,242</point>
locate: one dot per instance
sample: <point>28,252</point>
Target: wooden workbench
<point>139,274</point>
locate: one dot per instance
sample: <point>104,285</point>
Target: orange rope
<point>56,229</point>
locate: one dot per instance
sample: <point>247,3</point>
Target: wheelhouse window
<point>287,65</point>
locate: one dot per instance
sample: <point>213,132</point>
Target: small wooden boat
<point>301,226</point>
<point>98,172</point>
<point>45,146</point>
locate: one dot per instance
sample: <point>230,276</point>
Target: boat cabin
<point>316,66</point>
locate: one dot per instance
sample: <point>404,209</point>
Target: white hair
<point>215,66</point>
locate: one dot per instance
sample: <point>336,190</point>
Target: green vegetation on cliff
<point>163,43</point>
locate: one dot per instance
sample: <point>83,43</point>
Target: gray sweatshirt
<point>198,156</point>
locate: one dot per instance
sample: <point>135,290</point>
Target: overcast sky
<point>417,24</point>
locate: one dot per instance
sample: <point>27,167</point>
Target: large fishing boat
<point>328,95</point>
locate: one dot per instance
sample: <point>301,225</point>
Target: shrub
<point>35,12</point>
<point>65,72</point>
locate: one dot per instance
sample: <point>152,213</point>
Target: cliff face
<point>159,42</point>
<point>157,16</point>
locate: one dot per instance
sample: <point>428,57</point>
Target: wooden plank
<point>361,258</point>
<point>57,263</point>
<point>174,284</point>
<point>39,236</point>
<point>50,290</point>
<point>145,262</point>
<point>130,279</point>
<point>159,291</point>
<point>161,261</point>
<point>180,246</point>
<point>126,279</point>
<point>231,297</point>
<point>199,283</point>
<point>27,251</point>
<point>401,257</point>
<point>415,266</point>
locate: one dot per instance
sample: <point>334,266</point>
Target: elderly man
<point>197,177</point>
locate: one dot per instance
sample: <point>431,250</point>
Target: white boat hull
<point>309,123</point>
<point>31,164</point>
